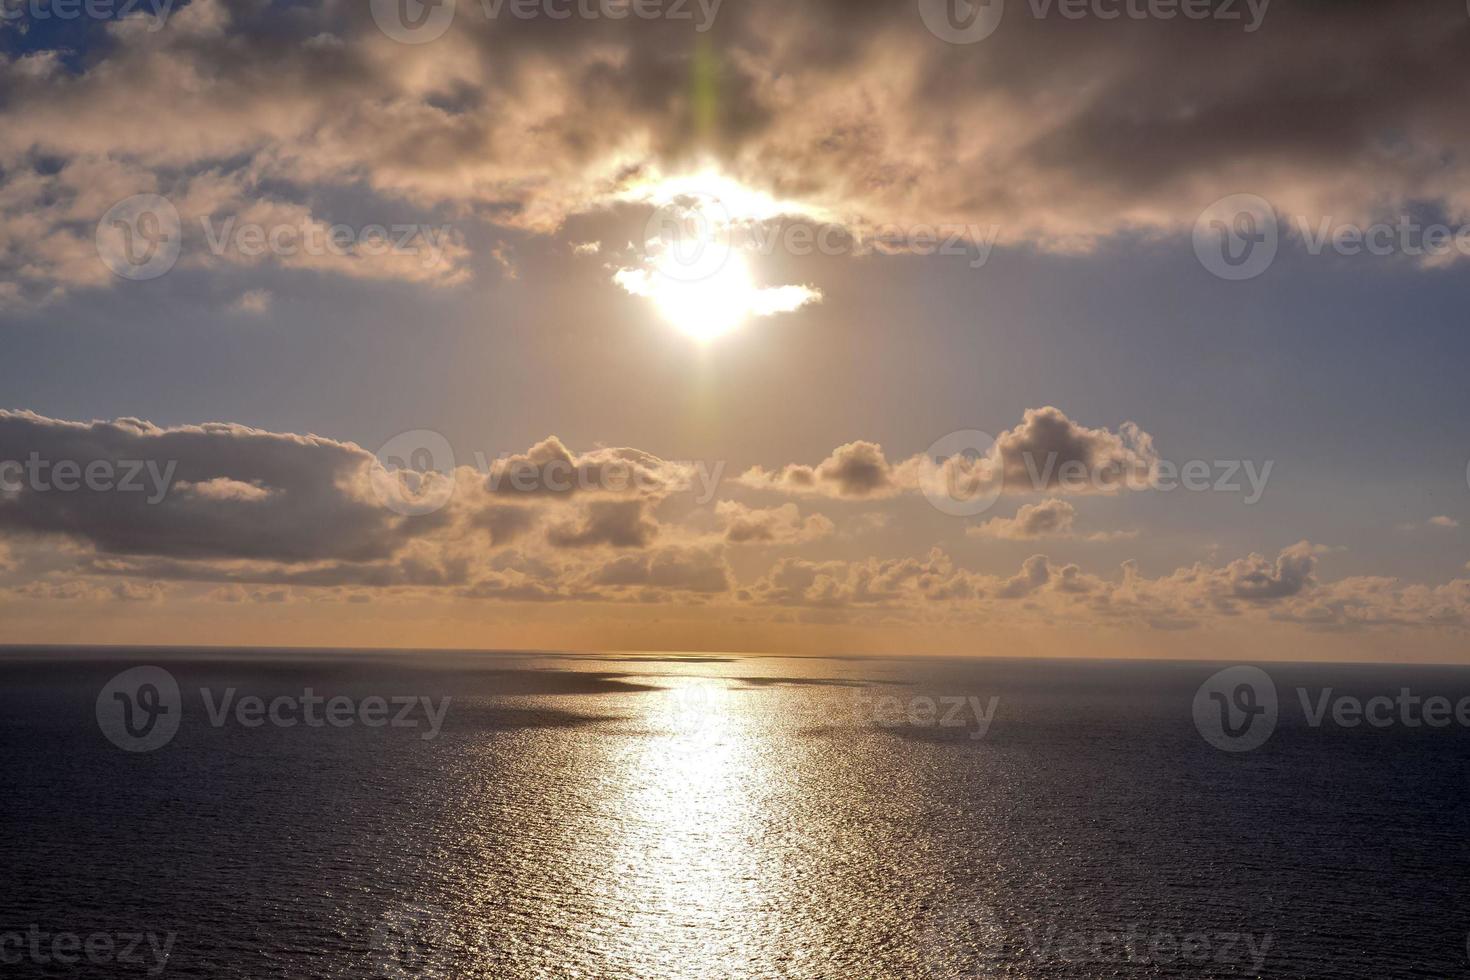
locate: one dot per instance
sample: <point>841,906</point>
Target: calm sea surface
<point>625,816</point>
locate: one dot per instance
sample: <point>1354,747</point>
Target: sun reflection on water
<point>695,870</point>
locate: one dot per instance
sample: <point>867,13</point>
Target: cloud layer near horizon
<point>309,517</point>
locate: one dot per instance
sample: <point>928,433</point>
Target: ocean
<point>254,814</point>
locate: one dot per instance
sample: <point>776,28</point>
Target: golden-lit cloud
<point>827,111</point>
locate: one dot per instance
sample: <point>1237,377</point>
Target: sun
<point>696,262</point>
<point>710,307</point>
<point>707,296</point>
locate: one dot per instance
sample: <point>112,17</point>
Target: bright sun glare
<point>709,307</point>
<point>696,270</point>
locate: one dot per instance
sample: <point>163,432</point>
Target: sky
<point>1021,329</point>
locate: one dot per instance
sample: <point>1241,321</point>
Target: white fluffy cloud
<point>1046,452</point>
<point>264,515</point>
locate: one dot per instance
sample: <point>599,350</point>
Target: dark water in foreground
<point>720,817</point>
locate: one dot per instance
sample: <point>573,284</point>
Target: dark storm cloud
<point>209,491</point>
